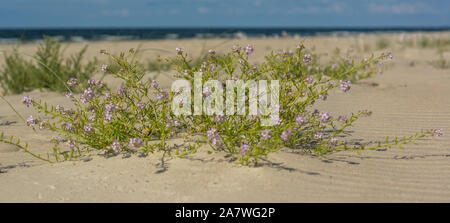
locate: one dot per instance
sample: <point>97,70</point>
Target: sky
<point>223,13</point>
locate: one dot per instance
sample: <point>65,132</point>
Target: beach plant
<point>382,43</point>
<point>440,63</point>
<point>47,69</point>
<point>136,117</point>
<point>427,41</point>
<point>297,126</point>
<point>140,115</point>
<point>343,67</point>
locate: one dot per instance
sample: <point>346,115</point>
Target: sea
<point>27,35</point>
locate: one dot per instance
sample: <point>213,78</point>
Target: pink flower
<point>72,82</point>
<point>437,132</point>
<point>325,117</point>
<point>87,95</point>
<point>307,58</point>
<point>71,143</point>
<point>31,121</point>
<point>116,146</point>
<point>220,117</point>
<point>299,120</point>
<point>27,101</point>
<point>88,128</point>
<point>345,85</point>
<point>245,149</point>
<point>135,143</point>
<point>249,49</point>
<point>179,50</point>
<point>162,95</point>
<point>104,68</point>
<point>286,134</point>
<point>265,134</point>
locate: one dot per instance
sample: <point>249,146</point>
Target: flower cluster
<point>137,117</point>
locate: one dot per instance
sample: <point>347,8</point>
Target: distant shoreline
<point>29,35</point>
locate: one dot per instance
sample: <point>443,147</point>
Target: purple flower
<point>206,92</point>
<point>31,121</point>
<point>107,96</point>
<point>286,134</point>
<point>345,85</point>
<point>59,108</point>
<point>97,83</point>
<point>116,146</point>
<point>390,55</point>
<point>176,123</point>
<point>43,124</point>
<point>108,117</point>
<point>309,80</point>
<point>323,96</point>
<point>68,127</point>
<point>217,141</point>
<point>265,134</point>
<point>343,120</point>
<point>27,101</point>
<point>104,68</point>
<point>213,67</point>
<point>71,143</point>
<point>68,94</point>
<point>325,117</point>
<point>88,128</point>
<point>72,82</point>
<point>135,143</point>
<point>111,107</point>
<point>276,119</point>
<point>92,118</point>
<point>87,95</point>
<point>334,141</point>
<point>299,120</point>
<point>179,50</point>
<point>437,132</point>
<point>154,84</point>
<point>211,133</point>
<point>162,95</point>
<point>220,117</point>
<point>122,91</point>
<point>141,105</point>
<point>212,52</point>
<point>245,149</point>
<point>307,58</point>
<point>214,137</point>
<point>249,49</point>
<point>203,67</point>
<point>318,136</point>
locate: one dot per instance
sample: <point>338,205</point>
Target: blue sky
<point>223,13</point>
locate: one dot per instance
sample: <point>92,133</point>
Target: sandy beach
<point>408,96</point>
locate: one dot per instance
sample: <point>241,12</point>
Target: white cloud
<point>400,8</point>
<point>121,12</point>
<point>202,10</point>
<point>317,9</point>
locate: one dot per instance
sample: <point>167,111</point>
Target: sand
<point>404,99</point>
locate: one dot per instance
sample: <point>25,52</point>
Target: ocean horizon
<point>24,35</point>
